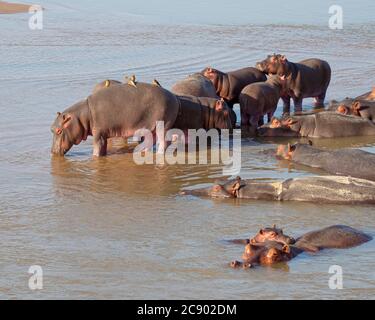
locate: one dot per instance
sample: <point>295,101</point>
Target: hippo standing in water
<point>347,162</point>
<point>307,78</point>
<point>229,85</point>
<point>267,251</point>
<point>319,125</point>
<point>260,98</point>
<point>203,113</point>
<point>118,111</point>
<point>337,189</point>
<point>195,85</point>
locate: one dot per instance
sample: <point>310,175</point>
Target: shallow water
<point>107,228</point>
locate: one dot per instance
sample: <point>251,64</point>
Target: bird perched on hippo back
<point>229,85</point>
<point>307,78</point>
<point>117,111</point>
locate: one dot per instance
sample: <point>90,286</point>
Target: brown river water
<point>108,228</point>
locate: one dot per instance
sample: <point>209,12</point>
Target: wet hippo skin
<point>347,162</point>
<point>195,85</point>
<point>319,189</point>
<point>263,251</point>
<point>324,124</point>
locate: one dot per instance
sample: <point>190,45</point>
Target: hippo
<point>347,162</point>
<point>307,78</point>
<point>266,254</point>
<point>229,85</point>
<point>334,104</point>
<point>202,113</point>
<point>360,108</point>
<point>324,124</point>
<point>260,98</point>
<point>337,189</point>
<point>264,251</point>
<point>333,237</point>
<point>195,85</point>
<point>118,111</point>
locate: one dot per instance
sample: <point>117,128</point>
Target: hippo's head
<point>272,234</point>
<point>267,253</point>
<point>213,75</point>
<point>274,253</point>
<point>67,131</point>
<point>223,118</point>
<point>273,64</point>
<point>280,128</point>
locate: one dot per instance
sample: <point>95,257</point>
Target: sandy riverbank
<point>6,7</point>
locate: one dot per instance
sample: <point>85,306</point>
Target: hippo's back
<point>337,236</point>
<point>331,125</point>
<point>248,75</point>
<point>195,85</point>
<point>133,107</point>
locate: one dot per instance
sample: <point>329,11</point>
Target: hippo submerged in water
<point>324,124</point>
<point>117,111</point>
<point>347,162</point>
<point>360,108</point>
<point>319,189</point>
<point>229,85</point>
<point>268,250</point>
<point>307,78</point>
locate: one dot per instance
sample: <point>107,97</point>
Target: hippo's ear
<point>283,58</point>
<point>253,241</point>
<point>261,231</point>
<point>286,249</point>
<point>66,119</point>
<point>58,114</point>
<point>275,123</point>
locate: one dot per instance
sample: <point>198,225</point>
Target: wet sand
<point>8,8</point>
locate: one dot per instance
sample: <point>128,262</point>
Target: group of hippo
<point>270,245</point>
<point>205,100</point>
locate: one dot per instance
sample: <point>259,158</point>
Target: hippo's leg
<point>297,104</point>
<point>99,146</point>
<point>286,107</point>
<point>245,119</point>
<point>254,120</point>
<point>319,101</point>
